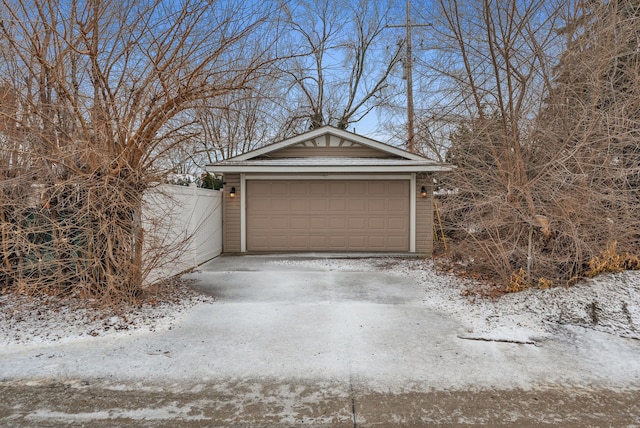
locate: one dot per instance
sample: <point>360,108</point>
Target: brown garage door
<point>327,215</point>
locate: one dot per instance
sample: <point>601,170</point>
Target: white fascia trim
<point>412,214</point>
<point>385,147</point>
<point>325,169</point>
<point>329,176</point>
<point>280,145</point>
<point>243,213</point>
<point>412,197</point>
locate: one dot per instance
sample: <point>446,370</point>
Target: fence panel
<point>183,229</point>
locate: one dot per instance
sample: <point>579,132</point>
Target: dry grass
<point>611,261</point>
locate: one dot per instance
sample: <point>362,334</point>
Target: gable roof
<point>328,130</point>
<point>398,160</point>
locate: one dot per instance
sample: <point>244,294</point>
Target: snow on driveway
<point>328,319</point>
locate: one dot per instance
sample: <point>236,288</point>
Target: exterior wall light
<point>423,191</point>
<point>232,193</point>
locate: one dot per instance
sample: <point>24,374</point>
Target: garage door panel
<point>358,242</point>
<point>358,223</point>
<point>262,224</point>
<point>279,188</point>
<point>299,223</point>
<point>397,187</point>
<point>299,242</point>
<point>397,206</point>
<point>299,188</point>
<point>377,242</point>
<point>317,188</point>
<point>377,188</point>
<point>376,205</point>
<point>261,204</point>
<point>358,187</point>
<point>318,205</point>
<point>337,205</point>
<point>327,215</point>
<point>321,241</point>
<point>338,223</point>
<point>279,223</point>
<point>337,187</point>
<point>357,205</point>
<point>397,223</point>
<point>337,242</point>
<point>260,243</point>
<point>318,224</point>
<point>299,205</point>
<point>396,243</point>
<point>261,187</point>
<point>277,207</point>
<point>377,223</point>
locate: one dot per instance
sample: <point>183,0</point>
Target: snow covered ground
<point>33,321</point>
<point>609,303</point>
<point>312,336</point>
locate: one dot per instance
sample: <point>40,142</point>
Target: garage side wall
<point>424,215</point>
<point>231,214</point>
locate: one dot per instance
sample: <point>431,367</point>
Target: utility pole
<point>408,75</point>
<point>411,134</point>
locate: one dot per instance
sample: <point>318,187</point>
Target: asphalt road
<point>277,404</point>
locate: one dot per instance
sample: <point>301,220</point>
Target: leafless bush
<point>77,234</point>
<point>94,97</point>
<point>548,156</point>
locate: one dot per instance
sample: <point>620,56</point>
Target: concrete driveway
<point>301,317</point>
<point>333,319</point>
<point>304,279</point>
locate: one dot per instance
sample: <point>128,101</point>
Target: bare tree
<point>493,66</point>
<point>241,121</point>
<point>587,160</point>
<point>341,69</point>
<point>101,87</point>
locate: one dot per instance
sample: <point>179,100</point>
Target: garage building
<point>328,190</point>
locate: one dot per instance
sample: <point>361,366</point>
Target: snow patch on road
<point>173,412</point>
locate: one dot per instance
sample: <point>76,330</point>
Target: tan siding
<point>355,151</point>
<point>231,215</point>
<point>424,215</point>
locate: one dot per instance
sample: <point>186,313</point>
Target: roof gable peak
<point>328,136</point>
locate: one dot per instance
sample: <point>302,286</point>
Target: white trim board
<point>407,177</point>
<point>327,169</point>
<point>243,213</point>
<point>329,177</point>
<point>412,214</point>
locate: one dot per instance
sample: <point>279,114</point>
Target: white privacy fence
<point>183,229</point>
